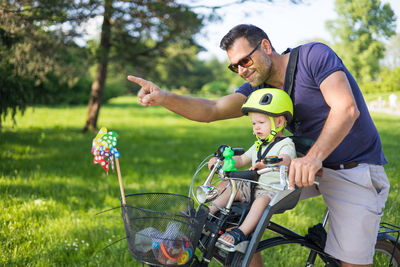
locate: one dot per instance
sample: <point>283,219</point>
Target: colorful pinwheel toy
<point>104,151</point>
<point>104,148</point>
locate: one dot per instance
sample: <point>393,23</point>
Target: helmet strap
<point>260,143</point>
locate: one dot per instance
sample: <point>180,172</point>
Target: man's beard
<point>263,74</point>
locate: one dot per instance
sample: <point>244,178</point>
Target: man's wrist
<point>164,94</point>
<point>315,154</point>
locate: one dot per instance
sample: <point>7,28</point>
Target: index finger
<point>140,81</point>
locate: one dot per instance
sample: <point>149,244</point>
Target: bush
<point>216,88</point>
<point>13,93</point>
<point>114,88</point>
<point>53,92</point>
<point>389,82</point>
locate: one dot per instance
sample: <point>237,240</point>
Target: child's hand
<point>261,165</point>
<point>258,166</point>
<point>211,162</point>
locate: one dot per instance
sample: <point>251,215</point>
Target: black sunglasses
<point>244,62</point>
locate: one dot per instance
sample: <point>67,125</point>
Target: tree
<point>223,81</point>
<point>96,95</point>
<point>35,39</point>
<point>359,30</point>
<point>140,34</point>
<point>392,53</point>
<point>390,80</point>
<point>133,32</point>
<point>180,68</point>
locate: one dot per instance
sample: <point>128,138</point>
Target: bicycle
<point>189,236</point>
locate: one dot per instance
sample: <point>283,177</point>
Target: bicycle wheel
<point>292,253</point>
<point>383,254</point>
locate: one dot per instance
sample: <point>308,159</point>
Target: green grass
<point>50,191</point>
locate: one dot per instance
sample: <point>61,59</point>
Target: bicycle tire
<point>301,244</point>
<point>237,260</point>
<point>382,257</point>
<point>383,253</point>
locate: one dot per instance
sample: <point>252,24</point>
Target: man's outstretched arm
<point>193,108</point>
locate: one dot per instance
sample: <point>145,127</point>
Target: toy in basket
<point>161,228</point>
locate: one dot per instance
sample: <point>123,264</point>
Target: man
<point>329,108</point>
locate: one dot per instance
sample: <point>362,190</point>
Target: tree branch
<point>238,2</point>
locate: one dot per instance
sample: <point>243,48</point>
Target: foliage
<point>180,67</point>
<point>215,88</point>
<point>36,49</point>
<point>223,82</point>
<point>389,82</point>
<point>37,46</point>
<point>392,52</point>
<point>50,191</point>
<point>134,32</point>
<point>146,34</point>
<point>359,30</point>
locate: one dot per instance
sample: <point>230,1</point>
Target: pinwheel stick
<point>120,182</point>
<point>125,208</point>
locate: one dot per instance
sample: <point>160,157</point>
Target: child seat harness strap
<point>264,154</point>
<point>260,157</point>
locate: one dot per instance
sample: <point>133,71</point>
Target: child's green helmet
<point>271,101</point>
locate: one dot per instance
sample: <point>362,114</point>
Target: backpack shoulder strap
<point>289,79</point>
<point>290,70</point>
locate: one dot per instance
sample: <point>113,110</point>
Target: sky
<point>286,24</point>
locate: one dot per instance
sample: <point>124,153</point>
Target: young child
<point>269,111</point>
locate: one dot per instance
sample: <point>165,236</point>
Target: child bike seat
<point>285,200</point>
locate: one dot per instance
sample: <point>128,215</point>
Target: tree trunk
<point>97,91</point>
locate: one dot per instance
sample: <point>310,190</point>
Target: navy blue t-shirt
<point>315,63</point>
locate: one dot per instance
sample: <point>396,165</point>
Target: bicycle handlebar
<point>221,148</point>
<point>272,160</point>
<point>247,175</point>
<point>238,151</point>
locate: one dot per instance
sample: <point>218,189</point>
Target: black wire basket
<point>162,228</point>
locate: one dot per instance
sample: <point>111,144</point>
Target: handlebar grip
<point>247,175</point>
<point>272,160</point>
<point>220,151</point>
<point>238,151</point>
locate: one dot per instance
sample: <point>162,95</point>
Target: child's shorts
<point>244,188</point>
<point>355,199</point>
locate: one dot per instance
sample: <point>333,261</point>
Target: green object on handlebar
<point>229,162</point>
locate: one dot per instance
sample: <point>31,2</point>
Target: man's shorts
<point>355,199</point>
